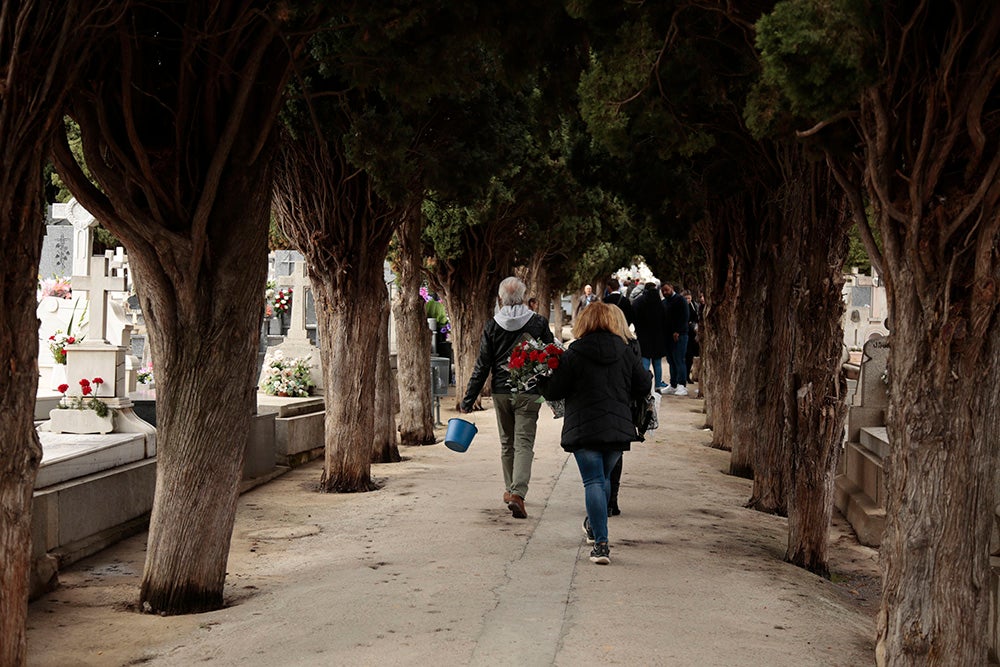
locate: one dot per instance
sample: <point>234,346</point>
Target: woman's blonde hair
<point>623,329</point>
<point>599,316</point>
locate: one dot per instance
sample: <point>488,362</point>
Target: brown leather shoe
<point>516,507</point>
<point>506,497</point>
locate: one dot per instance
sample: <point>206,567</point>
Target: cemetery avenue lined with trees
<point>734,145</point>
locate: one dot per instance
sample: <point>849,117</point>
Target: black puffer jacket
<point>597,375</point>
<point>494,351</point>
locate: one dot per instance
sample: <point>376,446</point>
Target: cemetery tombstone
<point>297,343</point>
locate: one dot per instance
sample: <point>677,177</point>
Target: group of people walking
<point>599,377</point>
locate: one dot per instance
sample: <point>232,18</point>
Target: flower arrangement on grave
<point>57,345</point>
<point>270,291</point>
<point>56,286</point>
<point>85,401</point>
<point>529,361</point>
<point>145,374</point>
<point>285,376</point>
<point>283,300</point>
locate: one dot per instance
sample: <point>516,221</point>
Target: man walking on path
<point>677,315</point>
<point>650,322</point>
<point>517,414</point>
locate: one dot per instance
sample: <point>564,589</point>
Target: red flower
<point>86,389</point>
<point>516,362</point>
<point>70,340</point>
<point>553,362</point>
<point>63,388</point>
<point>533,356</point>
<point>52,337</point>
<point>84,382</point>
<point>98,381</point>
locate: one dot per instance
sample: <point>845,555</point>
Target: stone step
<point>67,456</point>
<point>875,439</point>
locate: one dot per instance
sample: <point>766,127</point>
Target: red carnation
<point>52,337</point>
<point>86,390</point>
<point>70,340</point>
<point>553,362</point>
<point>84,382</point>
<point>98,381</point>
<point>63,388</point>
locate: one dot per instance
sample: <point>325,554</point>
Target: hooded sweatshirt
<point>507,328</point>
<point>597,376</point>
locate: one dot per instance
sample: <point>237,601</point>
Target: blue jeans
<point>657,369</point>
<point>676,351</point>
<point>595,469</point>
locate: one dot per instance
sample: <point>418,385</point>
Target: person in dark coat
<point>650,320</point>
<point>517,414</point>
<point>617,298</point>
<point>597,375</point>
<point>678,312</point>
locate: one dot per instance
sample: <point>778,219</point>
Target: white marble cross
<point>299,282</point>
<point>102,279</point>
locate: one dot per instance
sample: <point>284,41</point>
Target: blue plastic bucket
<point>460,434</point>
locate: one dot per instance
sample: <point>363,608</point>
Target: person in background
<point>615,297</point>
<point>650,320</point>
<point>693,348</point>
<point>588,297</point>
<point>517,414</point>
<point>533,304</point>
<point>597,375</point>
<point>677,309</point>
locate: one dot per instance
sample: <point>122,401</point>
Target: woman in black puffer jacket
<point>597,375</point>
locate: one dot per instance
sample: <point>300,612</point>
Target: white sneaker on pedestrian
<point>680,391</point>
<point>666,390</point>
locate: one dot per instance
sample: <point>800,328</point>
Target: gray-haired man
<point>517,414</point>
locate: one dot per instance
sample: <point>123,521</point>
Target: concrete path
<point>433,570</point>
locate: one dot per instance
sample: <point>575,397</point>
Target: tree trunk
<point>384,446</point>
<point>718,328</point>
<point>207,398</point>
<point>21,232</point>
<point>186,189</point>
<point>413,355</point>
<point>747,351</point>
<point>40,47</point>
<point>817,407</point>
<point>469,314</point>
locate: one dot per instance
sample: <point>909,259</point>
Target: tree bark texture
<point>330,212</point>
<point>40,44</point>
<point>385,447</point>
<point>181,152</point>
<point>931,151</point>
<point>718,327</point>
<point>413,344</point>
<point>469,285</point>
<point>816,407</point>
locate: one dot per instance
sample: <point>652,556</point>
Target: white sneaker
<point>664,391</point>
<point>680,391</point>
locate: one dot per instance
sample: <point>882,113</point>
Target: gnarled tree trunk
<point>385,448</point>
<point>331,213</point>
<point>180,144</point>
<point>413,345</point>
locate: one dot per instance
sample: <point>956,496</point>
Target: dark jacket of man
<point>500,334</point>
<point>618,299</point>
<point>650,320</point>
<point>597,376</point>
<point>678,312</point>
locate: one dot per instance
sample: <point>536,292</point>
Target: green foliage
<point>817,57</point>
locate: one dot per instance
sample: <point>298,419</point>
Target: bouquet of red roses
<point>529,361</point>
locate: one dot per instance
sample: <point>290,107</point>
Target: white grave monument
<point>297,343</point>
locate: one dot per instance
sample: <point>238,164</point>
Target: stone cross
<point>299,282</point>
<point>100,280</point>
<point>83,237</point>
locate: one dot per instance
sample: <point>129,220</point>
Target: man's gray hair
<point>511,291</point>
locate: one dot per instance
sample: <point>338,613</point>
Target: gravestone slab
<point>57,251</point>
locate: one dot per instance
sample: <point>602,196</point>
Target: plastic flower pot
<point>460,434</point>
